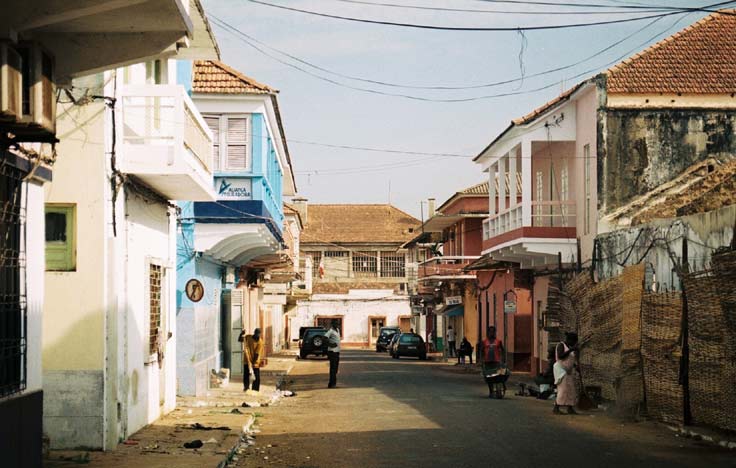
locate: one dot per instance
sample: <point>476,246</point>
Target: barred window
<point>12,286</point>
<point>393,265</point>
<point>365,264</point>
<point>316,259</point>
<point>336,253</point>
<point>155,276</point>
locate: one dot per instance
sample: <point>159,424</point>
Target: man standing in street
<point>450,341</point>
<point>333,351</point>
<point>253,354</point>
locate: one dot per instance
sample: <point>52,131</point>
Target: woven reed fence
<point>661,315</point>
<point>711,296</point>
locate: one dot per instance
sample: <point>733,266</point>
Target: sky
<point>317,111</point>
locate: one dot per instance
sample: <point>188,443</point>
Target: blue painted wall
<point>184,74</point>
<point>197,324</point>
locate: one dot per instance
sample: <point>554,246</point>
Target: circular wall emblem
<point>194,290</point>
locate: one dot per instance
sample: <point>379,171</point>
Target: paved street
<point>410,413</point>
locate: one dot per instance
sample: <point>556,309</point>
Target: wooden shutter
<point>237,130</point>
<point>214,124</point>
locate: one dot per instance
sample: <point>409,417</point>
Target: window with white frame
<point>393,265</point>
<point>586,164</point>
<point>365,264</point>
<point>231,141</point>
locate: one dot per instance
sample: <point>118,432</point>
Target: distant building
<point>359,274</point>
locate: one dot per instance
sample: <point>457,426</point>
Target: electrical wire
<point>503,12</point>
<point>471,28</point>
<point>449,100</point>
<point>223,24</point>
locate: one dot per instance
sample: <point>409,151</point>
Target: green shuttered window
<point>61,237</point>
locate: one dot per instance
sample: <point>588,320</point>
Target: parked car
<point>313,341</point>
<point>409,344</point>
<point>392,344</point>
<point>384,337</point>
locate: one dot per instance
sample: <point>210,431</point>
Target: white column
<point>512,178</point>
<point>526,182</point>
<point>502,184</point>
<point>492,190</point>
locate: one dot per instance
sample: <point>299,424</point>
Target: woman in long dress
<point>565,354</point>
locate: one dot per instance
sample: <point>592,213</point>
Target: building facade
<point>41,54</point>
<point>609,143</point>
<point>359,273</point>
<point>234,257</point>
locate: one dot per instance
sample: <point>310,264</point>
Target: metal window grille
<point>155,275</point>
<point>336,253</point>
<point>393,265</point>
<point>316,259</point>
<point>365,264</point>
<point>13,321</point>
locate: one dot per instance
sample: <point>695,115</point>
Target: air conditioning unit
<point>39,93</point>
<point>11,83</point>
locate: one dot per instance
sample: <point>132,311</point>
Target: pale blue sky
<point>314,110</point>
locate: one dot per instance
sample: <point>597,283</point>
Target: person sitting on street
<point>466,349</point>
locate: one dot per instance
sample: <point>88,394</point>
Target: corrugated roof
<point>700,59</point>
<point>355,223</point>
<point>212,76</point>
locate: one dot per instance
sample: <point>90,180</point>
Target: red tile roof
<point>212,76</point>
<point>699,59</point>
<point>348,223</point>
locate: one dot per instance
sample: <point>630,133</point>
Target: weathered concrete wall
<point>650,242</point>
<point>73,413</point>
<point>643,148</point>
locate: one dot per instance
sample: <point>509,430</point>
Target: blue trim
<point>236,212</point>
<point>454,311</point>
<point>184,74</point>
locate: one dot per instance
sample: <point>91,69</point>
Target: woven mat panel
<point>712,348</point>
<point>630,389</point>
<point>660,349</point>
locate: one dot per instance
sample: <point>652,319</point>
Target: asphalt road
<point>408,413</point>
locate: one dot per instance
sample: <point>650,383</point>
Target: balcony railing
<point>553,214</point>
<point>165,141</point>
<point>445,266</point>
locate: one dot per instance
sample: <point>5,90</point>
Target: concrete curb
<point>710,437</point>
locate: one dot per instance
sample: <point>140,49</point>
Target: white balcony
<point>165,142</point>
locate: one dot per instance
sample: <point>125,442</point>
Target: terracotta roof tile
<point>699,59</point>
<point>349,223</point>
<point>212,76</point>
<point>478,189</point>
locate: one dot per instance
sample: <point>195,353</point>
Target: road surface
<point>409,413</point>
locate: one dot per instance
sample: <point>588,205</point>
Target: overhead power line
<point>260,49</point>
<point>234,30</point>
<point>474,28</point>
<point>618,10</point>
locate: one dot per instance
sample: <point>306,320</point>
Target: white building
<point>359,273</point>
<point>42,50</point>
<point>110,327</point>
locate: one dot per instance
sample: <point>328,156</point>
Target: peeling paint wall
<point>660,242</point>
<point>641,149</point>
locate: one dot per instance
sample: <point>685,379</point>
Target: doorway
<point>375,328</point>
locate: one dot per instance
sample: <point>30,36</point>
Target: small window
<point>237,131</point>
<point>336,253</point>
<point>155,278</point>
<point>60,238</point>
<point>365,264</point>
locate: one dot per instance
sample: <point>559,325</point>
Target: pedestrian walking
<point>492,353</point>
<point>253,352</point>
<point>565,370</point>
<point>451,341</point>
<point>333,351</point>
<point>466,349</point>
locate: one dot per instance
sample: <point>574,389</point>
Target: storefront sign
<point>509,307</point>
<point>453,300</point>
<point>233,188</point>
<point>417,310</point>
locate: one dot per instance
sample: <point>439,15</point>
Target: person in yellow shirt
<point>253,356</point>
